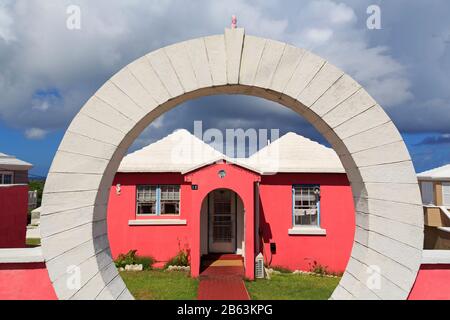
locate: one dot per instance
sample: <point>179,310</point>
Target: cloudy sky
<point>47,71</point>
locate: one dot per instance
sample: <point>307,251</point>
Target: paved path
<point>222,278</point>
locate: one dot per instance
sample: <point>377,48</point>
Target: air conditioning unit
<point>259,266</point>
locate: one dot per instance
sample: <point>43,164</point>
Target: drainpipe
<point>257,213</point>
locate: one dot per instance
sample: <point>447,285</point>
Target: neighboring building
<point>13,201</point>
<point>291,201</point>
<point>435,188</point>
<point>13,170</point>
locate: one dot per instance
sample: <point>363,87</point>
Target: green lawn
<point>292,287</point>
<point>161,285</point>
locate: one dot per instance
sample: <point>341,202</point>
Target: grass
<point>33,242</point>
<point>161,285</point>
<point>292,287</point>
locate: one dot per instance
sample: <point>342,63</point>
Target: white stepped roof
<point>440,173</point>
<point>8,162</point>
<point>183,152</point>
<point>294,153</point>
<point>178,152</point>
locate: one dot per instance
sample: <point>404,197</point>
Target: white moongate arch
<point>389,233</point>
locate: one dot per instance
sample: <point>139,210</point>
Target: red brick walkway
<point>222,278</point>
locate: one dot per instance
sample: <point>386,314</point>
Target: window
<point>446,194</point>
<point>6,178</point>
<point>427,191</point>
<point>170,200</point>
<point>146,199</point>
<point>158,200</point>
<point>306,206</point>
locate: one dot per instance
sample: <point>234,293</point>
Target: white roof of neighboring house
<point>8,162</point>
<point>441,173</point>
<point>183,152</point>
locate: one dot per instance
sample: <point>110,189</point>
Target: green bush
<point>147,262</point>
<point>317,268</point>
<point>131,258</point>
<point>180,260</point>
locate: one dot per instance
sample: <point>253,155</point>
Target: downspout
<point>257,216</point>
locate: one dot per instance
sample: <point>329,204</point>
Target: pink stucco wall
<point>13,216</point>
<point>161,242</point>
<point>238,180</point>
<point>294,252</point>
<point>432,283</point>
<point>25,282</point>
<point>337,217</point>
<point>164,242</point>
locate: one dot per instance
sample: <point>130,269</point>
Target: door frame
<point>236,195</point>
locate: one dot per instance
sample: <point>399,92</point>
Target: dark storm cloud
<point>405,65</point>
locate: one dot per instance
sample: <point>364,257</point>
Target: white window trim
<point>2,173</point>
<point>307,231</point>
<point>158,222</point>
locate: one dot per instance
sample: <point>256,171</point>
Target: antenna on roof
<point>233,22</point>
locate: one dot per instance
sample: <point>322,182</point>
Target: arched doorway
<point>222,223</point>
<point>389,231</point>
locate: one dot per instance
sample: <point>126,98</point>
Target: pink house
<point>291,202</point>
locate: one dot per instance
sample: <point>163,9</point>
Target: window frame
<point>294,225</point>
<point>158,201</point>
<point>2,177</point>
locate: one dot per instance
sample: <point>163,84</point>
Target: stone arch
<point>389,233</point>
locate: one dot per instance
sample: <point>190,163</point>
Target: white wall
<point>240,228</point>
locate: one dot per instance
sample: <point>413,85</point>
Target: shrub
<point>317,268</point>
<point>131,258</point>
<point>180,260</point>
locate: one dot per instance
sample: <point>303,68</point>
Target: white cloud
<point>342,14</point>
<point>318,36</point>
<point>6,24</point>
<point>35,133</point>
